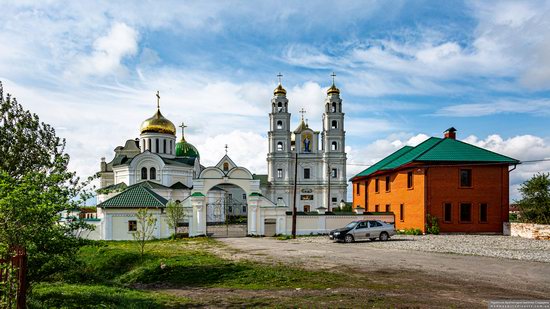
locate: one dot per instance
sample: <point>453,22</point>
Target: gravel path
<point>483,245</point>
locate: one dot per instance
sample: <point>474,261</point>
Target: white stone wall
<point>527,230</point>
<point>322,224</point>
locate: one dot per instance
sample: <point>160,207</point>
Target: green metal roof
<point>450,150</point>
<point>112,188</point>
<point>437,150</point>
<point>185,149</point>
<point>262,178</point>
<point>377,166</point>
<point>197,194</point>
<point>135,197</point>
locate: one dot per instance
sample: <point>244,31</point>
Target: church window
<point>307,208</point>
<point>279,124</point>
<point>132,226</point>
<point>280,106</point>
<point>149,144</point>
<point>164,146</point>
<point>306,173</point>
<point>280,146</point>
<point>157,145</point>
<point>279,201</point>
<point>335,124</point>
<point>225,166</point>
<point>143,173</point>
<point>334,146</point>
<point>334,173</point>
<point>244,208</point>
<point>280,173</point>
<point>244,196</point>
<point>153,173</point>
<point>333,107</point>
<point>170,147</point>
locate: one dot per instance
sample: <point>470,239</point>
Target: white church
<point>156,168</point>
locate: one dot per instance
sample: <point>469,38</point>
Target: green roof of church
<point>136,196</point>
<point>437,150</point>
<point>185,149</point>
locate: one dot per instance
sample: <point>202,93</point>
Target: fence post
<point>22,278</point>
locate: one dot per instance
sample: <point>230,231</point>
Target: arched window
<point>335,124</point>
<point>153,173</point>
<point>334,146</point>
<point>280,146</point>
<point>280,106</point>
<point>143,173</point>
<point>225,166</point>
<point>279,124</point>
<point>164,146</point>
<point>334,107</point>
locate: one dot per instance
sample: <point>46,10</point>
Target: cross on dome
<point>302,111</point>
<point>226,149</point>
<point>182,126</point>
<point>279,76</point>
<point>158,99</point>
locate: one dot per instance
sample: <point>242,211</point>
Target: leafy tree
<point>175,213</point>
<point>35,187</point>
<point>534,205</point>
<point>146,224</point>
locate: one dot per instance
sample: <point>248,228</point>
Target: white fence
<point>322,224</point>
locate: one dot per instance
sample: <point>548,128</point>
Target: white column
<point>199,216</point>
<point>108,227</point>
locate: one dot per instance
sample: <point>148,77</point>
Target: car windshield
<point>351,225</point>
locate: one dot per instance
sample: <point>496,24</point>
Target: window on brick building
<point>357,189</point>
<point>388,184</point>
<point>483,213</point>
<point>376,208</point>
<point>465,212</point>
<point>402,212</point>
<point>388,208</point>
<point>447,212</point>
<point>466,178</point>
<point>409,180</point>
<point>377,185</point>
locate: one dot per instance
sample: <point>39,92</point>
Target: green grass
<point>110,273</point>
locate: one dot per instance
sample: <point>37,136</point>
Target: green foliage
<point>348,209</point>
<point>411,231</point>
<point>146,225</point>
<point>62,295</point>
<point>35,187</point>
<point>534,205</point>
<point>8,286</point>
<point>175,213</point>
<point>432,225</point>
<point>513,217</point>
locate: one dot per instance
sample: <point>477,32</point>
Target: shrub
<point>432,225</point>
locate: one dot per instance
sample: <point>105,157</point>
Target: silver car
<point>363,230</point>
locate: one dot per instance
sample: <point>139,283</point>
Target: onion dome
<point>279,90</point>
<point>333,89</point>
<point>158,124</point>
<point>185,149</point>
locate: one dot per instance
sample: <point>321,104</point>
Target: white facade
<point>321,156</point>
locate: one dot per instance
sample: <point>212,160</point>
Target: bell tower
<point>334,145</point>
<point>279,154</point>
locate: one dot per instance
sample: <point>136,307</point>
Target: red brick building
<point>465,187</point>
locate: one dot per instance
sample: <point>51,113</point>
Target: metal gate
<point>222,220</point>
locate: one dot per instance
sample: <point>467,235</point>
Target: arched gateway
<point>226,172</point>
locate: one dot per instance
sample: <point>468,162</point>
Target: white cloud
<point>534,107</point>
<point>108,52</point>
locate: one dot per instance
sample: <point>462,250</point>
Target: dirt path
<point>446,278</point>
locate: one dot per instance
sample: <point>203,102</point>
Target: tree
<point>175,213</point>
<point>146,224</point>
<point>35,187</point>
<point>534,205</point>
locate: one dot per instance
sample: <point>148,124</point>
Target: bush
<point>432,225</point>
<point>411,231</point>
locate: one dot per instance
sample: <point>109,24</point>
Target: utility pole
<point>295,193</point>
<point>328,188</point>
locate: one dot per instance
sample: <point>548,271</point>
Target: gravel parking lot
<point>483,245</point>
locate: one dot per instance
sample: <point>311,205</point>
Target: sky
<point>407,70</point>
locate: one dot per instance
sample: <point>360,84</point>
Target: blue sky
<point>407,70</point>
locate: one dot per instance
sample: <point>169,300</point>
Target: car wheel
<point>384,236</point>
<point>348,238</point>
<point>372,239</point>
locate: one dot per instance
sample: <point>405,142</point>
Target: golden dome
<point>333,89</point>
<point>279,90</point>
<point>158,124</point>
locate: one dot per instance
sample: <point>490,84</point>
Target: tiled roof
<point>437,150</point>
<point>115,187</point>
<point>136,196</point>
<point>261,178</point>
<point>179,185</point>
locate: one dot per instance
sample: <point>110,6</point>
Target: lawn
<point>114,275</point>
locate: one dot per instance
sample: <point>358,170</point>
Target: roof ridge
<point>471,145</point>
<point>430,148</point>
<point>156,196</point>
<point>404,153</point>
